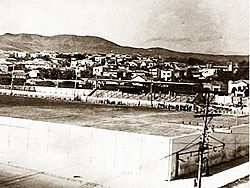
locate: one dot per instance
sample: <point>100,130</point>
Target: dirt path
<point>240,183</point>
<point>13,177</point>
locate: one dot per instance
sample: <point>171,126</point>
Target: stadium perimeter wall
<point>236,146</point>
<point>109,150</point>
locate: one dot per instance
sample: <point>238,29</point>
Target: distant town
<point>124,94</point>
<point>123,76</point>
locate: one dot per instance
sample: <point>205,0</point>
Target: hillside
<point>60,43</point>
<point>91,44</point>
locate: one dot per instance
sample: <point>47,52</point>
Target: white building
<point>37,63</point>
<point>4,65</point>
<point>33,73</point>
<point>141,73</point>
<point>83,62</point>
<point>46,53</point>
<point>166,75</point>
<point>98,71</point>
<point>238,88</point>
<point>207,72</point>
<point>19,74</point>
<point>100,59</point>
<point>20,54</point>
<point>110,74</point>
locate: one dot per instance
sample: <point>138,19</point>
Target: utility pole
<point>151,94</point>
<point>205,136</point>
<point>12,78</point>
<point>236,116</point>
<point>76,72</point>
<point>203,145</point>
<point>151,89</point>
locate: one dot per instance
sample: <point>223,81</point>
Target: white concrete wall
<point>45,146</point>
<point>43,92</point>
<point>223,99</point>
<point>236,145</point>
<point>62,91</point>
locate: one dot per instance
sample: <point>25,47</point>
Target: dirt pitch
<point>138,120</point>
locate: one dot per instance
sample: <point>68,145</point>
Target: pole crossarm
<point>216,139</point>
<point>184,148</point>
<point>203,145</point>
<point>206,115</point>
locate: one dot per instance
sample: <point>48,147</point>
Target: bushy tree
<point>87,73</point>
<point>68,74</point>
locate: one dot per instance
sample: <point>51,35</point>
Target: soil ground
<point>16,177</point>
<point>240,183</point>
<point>138,120</point>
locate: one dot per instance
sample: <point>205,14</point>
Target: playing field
<point>138,120</point>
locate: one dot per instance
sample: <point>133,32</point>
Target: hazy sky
<point>206,26</point>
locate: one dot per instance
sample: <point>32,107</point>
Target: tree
<point>224,76</point>
<point>79,56</point>
<point>189,75</point>
<point>50,73</point>
<point>65,63</point>
<point>243,71</point>
<point>68,74</point>
<point>193,61</point>
<point>87,73</point>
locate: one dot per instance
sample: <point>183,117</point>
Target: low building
<point>155,73</point>
<point>138,80</point>
<point>110,74</point>
<point>19,74</point>
<point>208,72</point>
<point>216,86</point>
<point>17,54</point>
<point>166,75</point>
<point>238,88</point>
<point>4,66</point>
<point>98,71</point>
<point>33,73</point>
<point>37,63</point>
<point>141,73</point>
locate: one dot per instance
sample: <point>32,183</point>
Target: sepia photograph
<point>124,93</point>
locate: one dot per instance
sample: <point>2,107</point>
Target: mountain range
<point>92,44</point>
